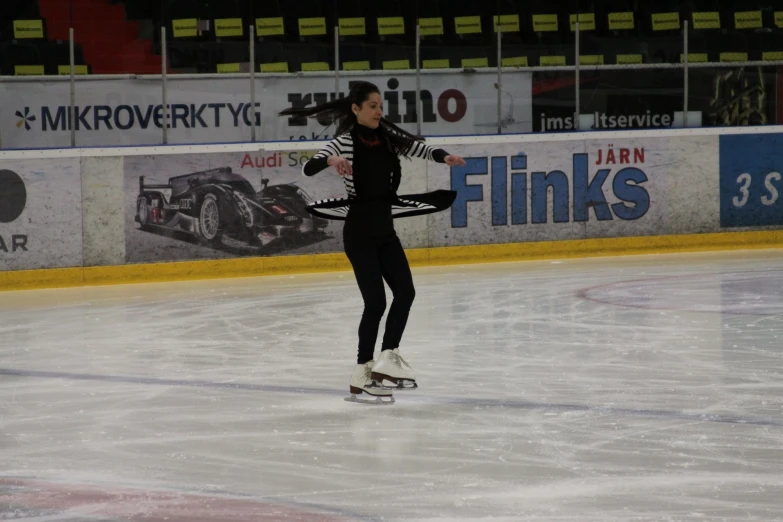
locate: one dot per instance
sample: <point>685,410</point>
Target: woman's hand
<point>452,160</point>
<point>341,165</point>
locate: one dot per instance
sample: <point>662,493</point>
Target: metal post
<point>577,109</point>
<point>418,79</point>
<point>163,66</point>
<point>500,77</point>
<point>336,62</point>
<point>73,87</point>
<point>685,88</point>
<point>252,83</point>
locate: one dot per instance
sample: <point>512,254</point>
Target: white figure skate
<point>361,382</point>
<point>392,367</point>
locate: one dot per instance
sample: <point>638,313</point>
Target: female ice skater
<point>366,153</point>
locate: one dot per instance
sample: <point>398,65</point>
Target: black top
<point>373,185</point>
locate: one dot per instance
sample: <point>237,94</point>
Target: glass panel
<point>459,68</point>
<point>288,39</point>
<point>517,54</point>
<point>546,34</point>
<point>541,39</point>
<point>384,54</point>
<point>307,48</point>
<point>375,37</point>
<point>653,98</point>
<point>736,96</point>
<point>377,42</point>
<point>191,39</point>
<point>619,32</point>
<point>631,99</point>
<point>553,100</point>
<point>34,42</point>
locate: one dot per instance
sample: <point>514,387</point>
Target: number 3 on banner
<point>767,200</point>
<point>745,180</point>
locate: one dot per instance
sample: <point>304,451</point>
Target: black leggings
<point>371,266</point>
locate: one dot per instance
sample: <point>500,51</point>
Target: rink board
<point>519,197</point>
<point>40,213</point>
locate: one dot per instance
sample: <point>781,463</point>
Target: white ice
<point>606,389</point>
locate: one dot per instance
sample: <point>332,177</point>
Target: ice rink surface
<point>608,389</point>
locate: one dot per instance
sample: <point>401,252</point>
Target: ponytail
<point>336,110</point>
<point>399,140</point>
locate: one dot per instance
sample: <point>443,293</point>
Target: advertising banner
<point>36,114</point>
<point>212,206</point>
<point>652,98</point>
<point>750,180</point>
<point>544,191</point>
<point>40,214</point>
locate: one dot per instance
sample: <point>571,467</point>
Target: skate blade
<point>377,401</point>
<point>402,385</point>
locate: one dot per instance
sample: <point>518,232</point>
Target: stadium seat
<point>17,52</point>
<point>631,38</point>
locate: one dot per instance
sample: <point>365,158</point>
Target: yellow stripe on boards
<point>605,247</point>
<point>51,278</point>
<point>282,265</point>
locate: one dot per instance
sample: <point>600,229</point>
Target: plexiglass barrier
<point>133,72</point>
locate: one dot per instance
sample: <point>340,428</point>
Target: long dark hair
<point>400,141</point>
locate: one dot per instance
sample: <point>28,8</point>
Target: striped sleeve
<point>425,152</point>
<point>341,146</point>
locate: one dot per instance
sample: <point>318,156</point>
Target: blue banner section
<point>750,180</point>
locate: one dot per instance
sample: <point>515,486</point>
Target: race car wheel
<point>209,219</point>
<point>144,213</point>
